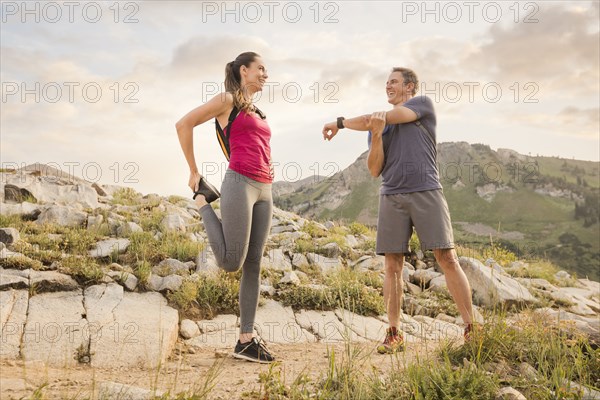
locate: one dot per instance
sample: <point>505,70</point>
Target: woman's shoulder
<point>226,97</point>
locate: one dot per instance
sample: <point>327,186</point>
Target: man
<point>403,151</point>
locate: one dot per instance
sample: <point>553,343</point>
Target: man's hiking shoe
<point>472,330</point>
<point>392,343</point>
<point>254,351</point>
<point>207,190</point>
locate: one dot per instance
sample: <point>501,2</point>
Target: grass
<point>349,289</point>
<point>476,370</point>
<point>206,296</point>
<point>20,262</point>
<point>145,247</point>
<point>85,270</point>
<point>127,197</point>
<point>557,355</point>
<point>356,228</point>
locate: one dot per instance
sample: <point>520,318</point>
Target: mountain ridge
<point>549,205</point>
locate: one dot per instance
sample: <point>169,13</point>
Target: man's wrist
<point>377,134</point>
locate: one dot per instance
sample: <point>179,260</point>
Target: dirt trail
<point>183,372</point>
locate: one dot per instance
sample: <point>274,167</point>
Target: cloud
<point>570,121</point>
<point>560,52</point>
<point>202,54</point>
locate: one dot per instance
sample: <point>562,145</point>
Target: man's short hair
<point>409,76</point>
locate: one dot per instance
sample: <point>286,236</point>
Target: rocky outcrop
<point>491,288</point>
<point>108,314</point>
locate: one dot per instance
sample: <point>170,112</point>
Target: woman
<point>237,240</point>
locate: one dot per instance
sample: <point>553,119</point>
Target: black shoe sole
<point>247,358</point>
<point>207,190</point>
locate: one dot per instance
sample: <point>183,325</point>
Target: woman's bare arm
<point>199,115</point>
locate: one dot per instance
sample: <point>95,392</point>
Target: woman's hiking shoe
<point>207,190</point>
<point>392,343</point>
<point>254,351</point>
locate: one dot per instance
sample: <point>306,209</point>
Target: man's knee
<point>446,258</point>
<point>394,262</point>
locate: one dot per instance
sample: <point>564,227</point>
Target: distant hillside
<point>543,206</point>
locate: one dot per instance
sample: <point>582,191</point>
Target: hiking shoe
<point>392,343</point>
<point>207,190</point>
<point>254,351</point>
<point>471,330</point>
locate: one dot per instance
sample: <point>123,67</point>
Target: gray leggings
<point>238,240</point>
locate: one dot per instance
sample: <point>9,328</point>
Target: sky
<point>95,88</point>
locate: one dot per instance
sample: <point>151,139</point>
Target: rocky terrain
<point>101,286</point>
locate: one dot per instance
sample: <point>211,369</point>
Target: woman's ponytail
<point>233,80</point>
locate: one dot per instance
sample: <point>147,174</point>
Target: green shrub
<point>20,262</point>
<point>356,228</point>
<point>84,269</point>
<point>126,196</point>
<point>218,294</point>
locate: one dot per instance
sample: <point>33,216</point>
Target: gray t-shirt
<point>410,152</point>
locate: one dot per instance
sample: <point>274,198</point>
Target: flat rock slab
<point>13,314</point>
<point>13,279</point>
<point>436,329</point>
<point>55,328</point>
<point>129,329</point>
<point>220,332</point>
<point>51,281</point>
<point>277,324</point>
<point>366,327</point>
<point>326,326</point>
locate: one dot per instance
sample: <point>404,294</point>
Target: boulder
<point>278,261</point>
<point>9,235</point>
<point>491,288</point>
<point>128,228</point>
<point>206,262</point>
<point>173,222</point>
<point>25,209</point>
<point>351,241</point>
<point>62,215</point>
<point>324,264</point>
<point>171,266</point>
<point>331,250</point>
<point>509,393</point>
<point>189,329</point>
<point>291,278</point>
<point>422,277</point>
<point>106,248</point>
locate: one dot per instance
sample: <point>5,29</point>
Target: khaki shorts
<point>426,211</point>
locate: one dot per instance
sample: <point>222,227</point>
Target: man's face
<point>396,90</point>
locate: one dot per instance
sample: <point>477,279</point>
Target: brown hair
<point>233,80</point>
<point>409,76</point>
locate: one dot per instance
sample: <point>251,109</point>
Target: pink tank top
<point>249,144</point>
